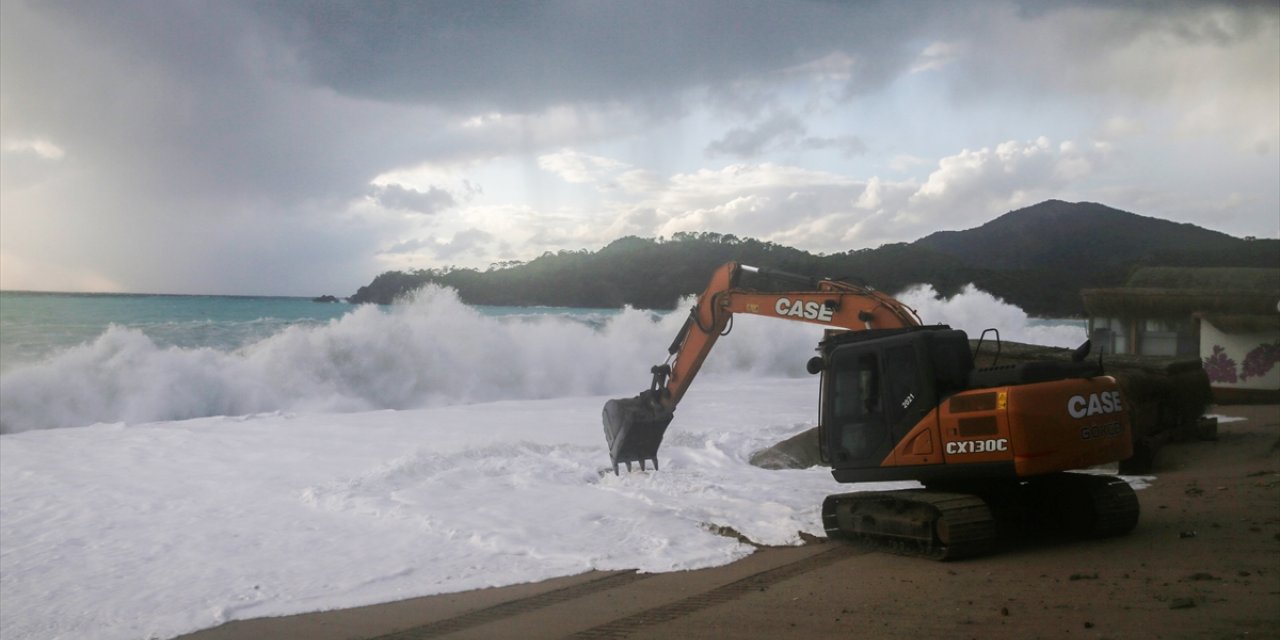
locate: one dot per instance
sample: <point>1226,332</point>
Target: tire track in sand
<point>513,608</point>
<point>625,626</point>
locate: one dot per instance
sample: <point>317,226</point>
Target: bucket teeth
<point>628,463</point>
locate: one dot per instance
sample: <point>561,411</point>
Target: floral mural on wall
<point>1257,363</point>
<point>1260,361</point>
<point>1220,367</point>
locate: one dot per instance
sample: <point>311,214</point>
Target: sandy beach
<point>1204,562</point>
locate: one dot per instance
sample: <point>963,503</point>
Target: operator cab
<point>879,384</point>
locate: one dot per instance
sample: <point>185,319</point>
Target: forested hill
<point>1038,258</point>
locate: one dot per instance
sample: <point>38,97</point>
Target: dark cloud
<point>186,117</point>
<point>749,142</point>
<point>1109,51</point>
<point>781,132</point>
<point>238,133</point>
<point>394,196</point>
<point>184,99</point>
<point>526,56</point>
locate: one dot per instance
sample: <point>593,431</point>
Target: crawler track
<point>969,520</point>
<point>930,524</point>
<point>1116,507</point>
<point>1086,506</point>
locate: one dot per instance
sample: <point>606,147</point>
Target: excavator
<point>993,448</point>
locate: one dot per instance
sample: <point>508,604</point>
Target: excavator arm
<point>634,427</point>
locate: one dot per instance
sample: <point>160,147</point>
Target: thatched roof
<point>1154,292</point>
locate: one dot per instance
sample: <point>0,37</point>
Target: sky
<point>301,148</point>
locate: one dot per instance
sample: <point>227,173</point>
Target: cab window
<point>858,412</point>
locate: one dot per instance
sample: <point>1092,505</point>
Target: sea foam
<point>431,350</point>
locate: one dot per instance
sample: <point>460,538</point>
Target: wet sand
<point>1203,562</point>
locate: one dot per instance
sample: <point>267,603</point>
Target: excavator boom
<point>634,427</point>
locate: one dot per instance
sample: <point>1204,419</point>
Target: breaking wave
<point>432,350</point>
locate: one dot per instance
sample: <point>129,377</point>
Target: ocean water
<point>34,326</point>
<point>37,325</point>
<point>70,360</point>
<point>78,359</point>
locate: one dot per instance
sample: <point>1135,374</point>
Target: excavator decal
<point>958,447</point>
<point>1107,402</point>
<point>810,310</point>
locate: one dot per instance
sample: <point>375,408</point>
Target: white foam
<point>975,310</point>
<point>430,351</point>
<point>114,532</point>
<point>278,504</point>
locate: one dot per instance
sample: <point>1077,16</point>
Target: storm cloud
<point>302,147</point>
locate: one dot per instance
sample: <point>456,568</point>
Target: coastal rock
<point>797,452</point>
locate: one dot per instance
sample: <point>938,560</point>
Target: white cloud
<point>831,212</point>
<point>936,56</point>
<point>871,198</point>
<point>639,181</point>
<point>37,146</point>
<point>472,243</point>
<point>738,178</point>
<point>766,201</point>
<point>580,168</point>
<point>975,183</point>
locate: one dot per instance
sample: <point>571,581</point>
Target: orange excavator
<point>900,400</point>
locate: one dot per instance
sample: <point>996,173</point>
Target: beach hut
<point>1227,317</point>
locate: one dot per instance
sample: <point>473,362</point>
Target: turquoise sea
<point>71,360</point>
<point>37,325</point>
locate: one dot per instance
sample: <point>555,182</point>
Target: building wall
<point>1111,335</point>
<point>1165,336</point>
<point>1240,361</point>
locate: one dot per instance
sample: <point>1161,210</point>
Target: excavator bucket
<point>634,428</point>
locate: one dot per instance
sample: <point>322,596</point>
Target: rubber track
<point>515,607</point>
<point>972,526</point>
<point>624,627</point>
<point>1115,505</point>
